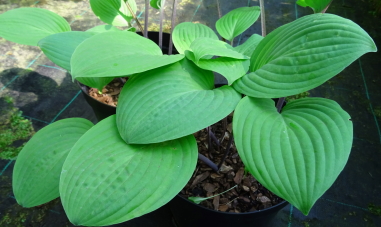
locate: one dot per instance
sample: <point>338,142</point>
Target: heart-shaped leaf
<point>171,102</point>
<point>105,181</point>
<point>248,47</point>
<point>38,166</point>
<point>185,33</point>
<point>60,47</point>
<point>29,25</point>
<point>237,21</point>
<point>232,69</point>
<point>317,5</point>
<point>297,154</point>
<point>113,54</point>
<point>302,55</point>
<point>114,12</point>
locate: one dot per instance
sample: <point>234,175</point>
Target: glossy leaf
<point>113,54</point>
<point>103,28</point>
<point>185,33</point>
<point>237,21</point>
<point>317,5</point>
<point>155,4</point>
<point>248,47</point>
<point>105,181</point>
<point>37,170</point>
<point>171,102</point>
<point>114,12</point>
<point>60,47</point>
<point>297,154</point>
<point>302,55</point>
<point>29,25</point>
<point>232,69</point>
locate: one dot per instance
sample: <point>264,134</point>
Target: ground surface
<point>45,94</point>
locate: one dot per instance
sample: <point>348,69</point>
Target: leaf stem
<point>280,103</point>
<point>161,24</point>
<point>208,162</point>
<point>134,16</point>
<point>263,17</point>
<point>172,26</point>
<point>326,7</point>
<point>227,151</point>
<point>146,18</point>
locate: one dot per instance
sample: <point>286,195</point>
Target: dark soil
<point>110,93</point>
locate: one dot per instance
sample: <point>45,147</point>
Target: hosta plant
<point>136,161</point>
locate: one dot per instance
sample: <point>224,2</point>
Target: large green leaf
<point>171,102</point>
<point>114,12</point>
<point>112,54</point>
<point>185,33</point>
<point>297,154</point>
<point>60,47</point>
<point>317,5</point>
<point>231,68</point>
<point>29,25</point>
<point>105,181</point>
<point>155,3</point>
<point>237,21</point>
<point>302,55</point>
<point>38,166</point>
<point>248,47</point>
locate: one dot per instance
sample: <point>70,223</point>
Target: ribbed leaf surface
<point>171,102</point>
<point>114,12</point>
<point>302,55</point>
<point>317,5</point>
<point>29,25</point>
<point>297,154</point>
<point>38,167</point>
<point>112,54</point>
<point>237,21</point>
<point>185,33</point>
<point>105,181</point>
<point>60,47</point>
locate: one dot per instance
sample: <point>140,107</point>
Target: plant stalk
<point>134,16</point>
<point>263,17</point>
<point>326,7</point>
<point>227,151</point>
<point>161,24</point>
<point>172,26</point>
<point>208,162</point>
<point>280,103</point>
<point>146,18</point>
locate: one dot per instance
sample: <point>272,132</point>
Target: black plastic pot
<point>103,110</point>
<point>188,214</point>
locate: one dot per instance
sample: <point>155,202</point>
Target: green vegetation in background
<point>14,129</point>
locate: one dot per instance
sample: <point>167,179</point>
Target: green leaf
<point>155,4</point>
<point>302,55</point>
<point>207,47</point>
<point>95,82</point>
<point>171,102</point>
<point>297,154</point>
<point>114,12</point>
<point>29,25</point>
<point>237,21</point>
<point>105,181</point>
<point>316,5</point>
<point>232,69</point>
<point>249,46</point>
<point>38,167</point>
<point>185,33</point>
<point>113,54</point>
<point>60,47</point>
<point>103,28</point>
